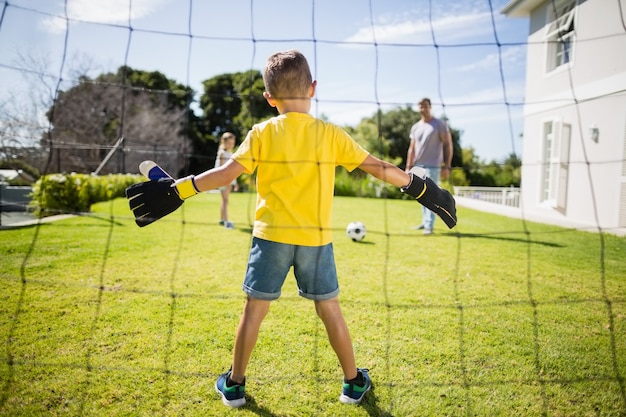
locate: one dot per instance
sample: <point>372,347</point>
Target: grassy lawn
<point>498,318</point>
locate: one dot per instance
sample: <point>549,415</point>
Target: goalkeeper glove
<point>436,199</point>
<point>152,200</point>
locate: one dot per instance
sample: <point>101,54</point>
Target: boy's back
<point>295,155</point>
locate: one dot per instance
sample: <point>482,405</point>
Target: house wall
<point>588,91</point>
<point>599,53</point>
<point>594,169</point>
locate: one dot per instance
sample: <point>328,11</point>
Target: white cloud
<point>511,55</point>
<point>403,29</point>
<point>515,90</point>
<point>110,11</point>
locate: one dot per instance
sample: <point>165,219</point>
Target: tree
<point>150,111</point>
<point>233,102</point>
<point>473,167</point>
<point>386,134</point>
<point>254,107</point>
<point>21,121</point>
<point>510,172</point>
<point>230,103</point>
<point>220,104</point>
<point>492,174</point>
<point>366,133</point>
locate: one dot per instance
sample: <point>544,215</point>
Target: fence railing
<point>506,196</point>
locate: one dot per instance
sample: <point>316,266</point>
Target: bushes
<point>358,184</point>
<point>75,193</point>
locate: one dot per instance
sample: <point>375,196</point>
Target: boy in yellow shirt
<point>295,156</point>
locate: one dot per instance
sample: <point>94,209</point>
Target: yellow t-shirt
<point>295,155</point>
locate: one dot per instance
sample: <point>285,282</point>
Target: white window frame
<point>555,149</point>
<point>560,33</point>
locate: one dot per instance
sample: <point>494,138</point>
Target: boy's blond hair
<point>287,75</point>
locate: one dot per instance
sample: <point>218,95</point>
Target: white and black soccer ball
<point>356,231</point>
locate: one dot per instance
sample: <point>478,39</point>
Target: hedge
<point>75,193</point>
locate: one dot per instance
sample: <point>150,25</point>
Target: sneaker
<point>221,222</point>
<point>420,227</point>
<point>233,396</point>
<point>229,225</point>
<point>353,393</point>
<point>428,231</point>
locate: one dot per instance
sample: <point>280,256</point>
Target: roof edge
<point>520,8</point>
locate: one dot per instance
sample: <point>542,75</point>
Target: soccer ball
<point>356,231</point>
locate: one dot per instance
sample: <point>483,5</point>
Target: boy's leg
<point>253,314</point>
<point>338,335</point>
<point>268,265</point>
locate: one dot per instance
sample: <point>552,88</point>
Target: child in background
<point>224,152</point>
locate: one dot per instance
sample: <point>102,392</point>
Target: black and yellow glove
<point>154,199</point>
<point>434,198</point>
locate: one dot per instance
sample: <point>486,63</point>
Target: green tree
<point>510,172</point>
<point>386,134</point>
<point>494,173</point>
<point>473,167</point>
<point>457,152</point>
<point>230,102</point>
<point>254,107</point>
<point>220,104</point>
<point>367,134</point>
<point>233,102</point>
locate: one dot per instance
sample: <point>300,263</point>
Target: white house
<point>574,157</point>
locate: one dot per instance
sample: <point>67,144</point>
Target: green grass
<point>497,318</point>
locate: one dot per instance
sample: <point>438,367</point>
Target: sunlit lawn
<point>497,317</point>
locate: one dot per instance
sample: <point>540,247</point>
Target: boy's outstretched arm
<point>154,199</point>
<point>385,171</point>
<point>415,184</point>
<point>218,177</point>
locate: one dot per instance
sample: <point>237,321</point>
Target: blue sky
<point>365,54</point>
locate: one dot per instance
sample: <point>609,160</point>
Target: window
<point>560,32</point>
<point>555,164</point>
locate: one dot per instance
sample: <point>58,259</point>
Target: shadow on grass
<point>252,406</point>
<point>503,238</point>
<point>370,404</point>
<point>364,242</point>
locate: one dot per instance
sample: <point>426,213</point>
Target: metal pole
<point>106,158</point>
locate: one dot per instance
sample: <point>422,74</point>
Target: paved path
<point>538,217</point>
<point>11,219</point>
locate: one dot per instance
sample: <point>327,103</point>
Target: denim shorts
<point>269,263</point>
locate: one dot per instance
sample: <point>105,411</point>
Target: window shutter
<point>554,163</point>
<point>564,144</point>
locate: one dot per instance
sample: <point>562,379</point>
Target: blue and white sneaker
<point>353,393</point>
<point>232,396</point>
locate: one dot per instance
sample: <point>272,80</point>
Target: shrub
<point>75,193</point>
<point>358,184</point>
